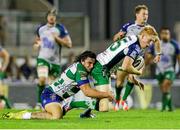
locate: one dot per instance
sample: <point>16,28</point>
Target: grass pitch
<point>108,120</point>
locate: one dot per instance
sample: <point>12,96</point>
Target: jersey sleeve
<point>124,27</point>
<point>81,77</point>
<point>151,49</point>
<point>176,46</point>
<point>37,29</point>
<point>63,30</point>
<point>132,52</point>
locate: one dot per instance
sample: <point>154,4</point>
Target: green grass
<point>131,119</point>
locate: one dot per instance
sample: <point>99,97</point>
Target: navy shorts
<point>48,96</point>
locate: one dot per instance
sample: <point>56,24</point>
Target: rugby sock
<point>169,101</point>
<point>79,104</point>
<point>6,101</point>
<point>26,115</point>
<point>118,92</point>
<point>129,87</point>
<point>165,100</point>
<point>40,88</point>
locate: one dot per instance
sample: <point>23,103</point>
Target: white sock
<point>27,115</point>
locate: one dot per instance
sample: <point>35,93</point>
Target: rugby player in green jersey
<point>73,79</point>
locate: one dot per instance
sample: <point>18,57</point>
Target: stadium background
<point>91,23</point>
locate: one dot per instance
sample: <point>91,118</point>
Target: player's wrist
<point>158,53</point>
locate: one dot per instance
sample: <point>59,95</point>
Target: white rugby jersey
<point>132,28</point>
<point>49,49</point>
<point>168,58</point>
<point>128,46</point>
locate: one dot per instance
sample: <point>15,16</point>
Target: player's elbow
<point>69,45</point>
<point>86,93</point>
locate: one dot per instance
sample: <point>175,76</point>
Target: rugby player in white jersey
<point>50,38</point>
<point>132,28</point>
<point>165,69</point>
<point>128,49</point>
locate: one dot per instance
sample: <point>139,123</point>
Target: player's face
<point>88,63</point>
<point>142,16</point>
<point>165,35</point>
<point>51,19</point>
<point>145,41</point>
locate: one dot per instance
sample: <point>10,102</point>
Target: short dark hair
<point>164,28</point>
<point>139,7</point>
<point>85,55</point>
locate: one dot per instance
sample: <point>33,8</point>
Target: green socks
<point>78,104</point>
<point>166,101</point>
<point>129,87</point>
<point>118,92</point>
<point>83,104</point>
<point>6,101</point>
<point>40,88</point>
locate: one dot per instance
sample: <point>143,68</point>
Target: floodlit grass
<point>107,120</point>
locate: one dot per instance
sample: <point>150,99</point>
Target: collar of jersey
<point>139,24</point>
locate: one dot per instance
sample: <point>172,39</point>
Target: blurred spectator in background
<point>70,59</point>
<point>2,30</point>
<point>165,69</point>
<point>13,71</point>
<point>4,55</point>
<point>26,70</point>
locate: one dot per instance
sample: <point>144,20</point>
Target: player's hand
<point>116,37</point>
<point>113,76</point>
<point>136,82</point>
<point>111,96</point>
<point>54,35</point>
<point>141,85</point>
<point>157,59</point>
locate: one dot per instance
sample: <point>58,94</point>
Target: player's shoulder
<point>62,28</point>
<point>128,24</point>
<point>132,38</point>
<point>174,42</point>
<point>41,25</point>
<point>133,42</point>
<point>60,25</point>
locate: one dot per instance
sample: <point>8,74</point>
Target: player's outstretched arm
<point>128,67</point>
<point>90,92</point>
<point>157,49</point>
<point>118,35</point>
<point>37,43</point>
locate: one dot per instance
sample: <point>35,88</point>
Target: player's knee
<point>166,83</point>
<point>104,105</point>
<point>130,78</point>
<point>119,82</point>
<point>57,116</point>
<point>42,80</point>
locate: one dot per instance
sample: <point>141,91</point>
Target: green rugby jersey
<point>70,81</point>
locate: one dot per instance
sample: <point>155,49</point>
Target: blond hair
<point>149,30</point>
<point>139,7</point>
